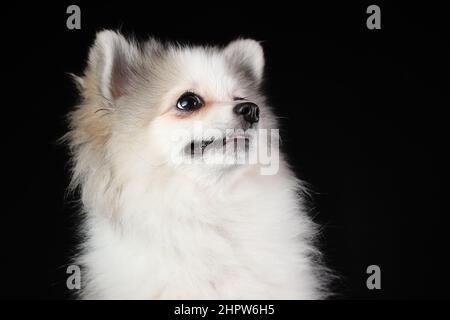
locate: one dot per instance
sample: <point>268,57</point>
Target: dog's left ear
<point>113,61</point>
<point>248,56</point>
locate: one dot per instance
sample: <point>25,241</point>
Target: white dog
<point>161,219</point>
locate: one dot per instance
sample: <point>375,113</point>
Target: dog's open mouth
<point>197,147</point>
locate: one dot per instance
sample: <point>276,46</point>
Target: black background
<point>363,122</point>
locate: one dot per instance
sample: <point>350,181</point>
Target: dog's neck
<point>137,193</point>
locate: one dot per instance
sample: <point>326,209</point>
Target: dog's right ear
<point>113,60</point>
<point>248,56</point>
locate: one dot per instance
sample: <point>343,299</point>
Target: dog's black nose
<point>249,110</point>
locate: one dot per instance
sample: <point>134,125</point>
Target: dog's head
<point>172,103</point>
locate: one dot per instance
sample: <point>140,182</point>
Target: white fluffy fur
<point>158,231</point>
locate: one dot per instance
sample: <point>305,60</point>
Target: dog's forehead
<point>206,68</point>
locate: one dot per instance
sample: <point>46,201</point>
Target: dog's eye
<point>189,102</point>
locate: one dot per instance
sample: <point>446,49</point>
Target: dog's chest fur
<point>243,238</point>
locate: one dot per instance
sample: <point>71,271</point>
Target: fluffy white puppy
<point>173,206</point>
